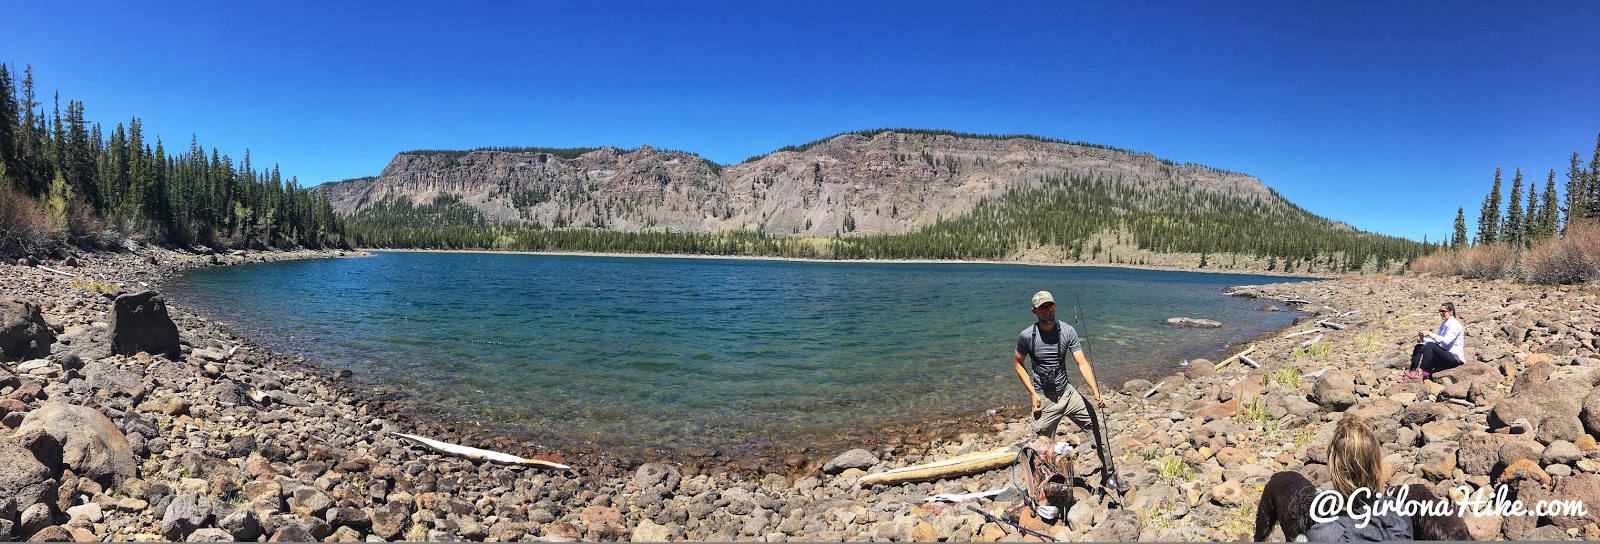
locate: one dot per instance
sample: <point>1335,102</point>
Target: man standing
<point>1047,343</point>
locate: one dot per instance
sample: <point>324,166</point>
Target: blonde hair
<point>1355,460</point>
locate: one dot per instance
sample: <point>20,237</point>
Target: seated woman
<point>1355,464</point>
<point>1438,350</point>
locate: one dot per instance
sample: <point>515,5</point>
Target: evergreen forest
<point>67,179</point>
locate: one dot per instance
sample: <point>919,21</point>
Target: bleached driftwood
<point>1152,390</point>
<point>1296,301</point>
<point>476,454</point>
<point>1307,331</point>
<point>1307,343</point>
<point>48,269</point>
<point>1332,325</point>
<point>961,465</point>
<point>1247,360</point>
<point>1235,356</point>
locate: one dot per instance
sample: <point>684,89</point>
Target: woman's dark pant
<point>1431,358</point>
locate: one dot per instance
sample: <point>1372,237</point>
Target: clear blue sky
<point>1386,115</point>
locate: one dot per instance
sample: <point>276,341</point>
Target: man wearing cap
<point>1047,343</point>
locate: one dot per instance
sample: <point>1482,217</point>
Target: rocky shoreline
<point>226,440</point>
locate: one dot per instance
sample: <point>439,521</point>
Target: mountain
<point>865,187</point>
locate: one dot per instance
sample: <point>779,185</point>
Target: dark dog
<point>1430,527</point>
<point>1287,497</point>
<point>1285,500</point>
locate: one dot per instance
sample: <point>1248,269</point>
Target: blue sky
<point>1386,115</point>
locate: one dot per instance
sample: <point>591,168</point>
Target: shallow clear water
<point>709,352</point>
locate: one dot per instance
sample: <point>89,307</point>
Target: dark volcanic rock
<point>22,477</point>
<point>23,332</point>
<point>139,322</point>
<point>186,513</point>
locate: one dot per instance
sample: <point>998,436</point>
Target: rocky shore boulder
<point>23,332</point>
<point>856,458</point>
<point>90,443</point>
<point>23,478</point>
<point>139,322</point>
<point>1334,391</point>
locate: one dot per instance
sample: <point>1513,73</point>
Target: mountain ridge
<point>885,181</point>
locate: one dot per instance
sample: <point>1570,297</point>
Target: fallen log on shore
<point>960,465</point>
<point>476,454</point>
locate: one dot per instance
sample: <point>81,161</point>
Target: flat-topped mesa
<point>870,182</point>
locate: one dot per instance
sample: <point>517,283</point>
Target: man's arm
<point>1026,383</point>
<point>1088,376</point>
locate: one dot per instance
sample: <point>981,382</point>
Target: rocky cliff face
<point>884,183</point>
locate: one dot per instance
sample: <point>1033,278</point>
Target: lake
<point>689,352</point>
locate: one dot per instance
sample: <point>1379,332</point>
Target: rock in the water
<point>91,445</point>
<point>139,322</point>
<point>1192,322</point>
<point>856,458</point>
<point>188,512</point>
<point>23,331</point>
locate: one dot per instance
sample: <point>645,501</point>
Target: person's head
<point>1044,307</point>
<point>1355,460</point>
<point>1447,310</point>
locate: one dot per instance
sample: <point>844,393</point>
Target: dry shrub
<point>25,225</point>
<point>1489,261</point>
<point>88,229</point>
<point>1572,258</point>
<point>1441,263</point>
<point>1483,261</point>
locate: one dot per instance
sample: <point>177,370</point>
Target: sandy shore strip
<point>228,440</point>
<point>1250,272</point>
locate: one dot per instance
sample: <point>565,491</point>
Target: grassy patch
<point>1173,470</point>
<point>1255,414</point>
<point>1240,521</point>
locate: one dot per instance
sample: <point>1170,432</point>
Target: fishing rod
<point>998,519</point>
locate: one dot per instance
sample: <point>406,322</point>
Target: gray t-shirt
<point>1049,351</point>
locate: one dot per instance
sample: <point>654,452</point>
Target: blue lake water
<point>668,352</point>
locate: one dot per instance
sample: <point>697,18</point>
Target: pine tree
<point>1550,211</point>
<point>1512,231</point>
<point>1459,238</point>
<point>1489,218</point>
<point>1577,189</point>
<point>1594,181</point>
<point>10,163</point>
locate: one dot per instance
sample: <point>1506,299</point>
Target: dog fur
<point>1287,497</point>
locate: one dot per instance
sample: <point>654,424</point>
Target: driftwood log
<point>960,465</point>
<point>1236,356</point>
<point>476,454</point>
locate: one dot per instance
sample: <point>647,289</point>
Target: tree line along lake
<point>670,353</point>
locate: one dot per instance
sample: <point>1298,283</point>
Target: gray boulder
<point>139,322</point>
<point>188,512</point>
<point>650,475</point>
<point>856,458</point>
<point>91,445</point>
<point>24,478</point>
<point>1119,526</point>
<point>1334,391</point>
<point>87,343</point>
<point>23,332</point>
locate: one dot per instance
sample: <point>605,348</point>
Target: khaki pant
<point>1075,407</point>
